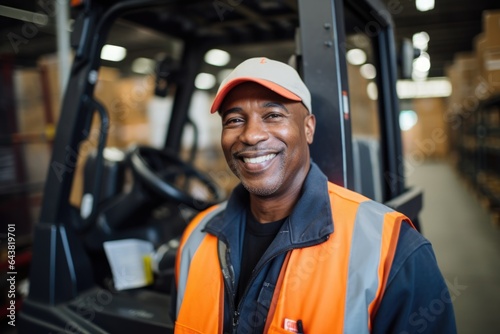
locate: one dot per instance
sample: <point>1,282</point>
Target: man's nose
<point>254,131</point>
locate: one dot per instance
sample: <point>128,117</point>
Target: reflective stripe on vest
<point>191,240</point>
<point>333,287</point>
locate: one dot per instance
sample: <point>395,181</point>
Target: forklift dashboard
<point>110,179</point>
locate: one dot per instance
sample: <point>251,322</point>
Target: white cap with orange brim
<point>274,75</point>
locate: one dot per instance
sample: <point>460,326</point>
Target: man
<point>289,251</point>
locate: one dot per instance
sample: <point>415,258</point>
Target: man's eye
<point>274,115</point>
<point>233,121</point>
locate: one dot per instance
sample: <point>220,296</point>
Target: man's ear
<point>310,126</point>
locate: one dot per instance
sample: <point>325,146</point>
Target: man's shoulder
<point>344,193</point>
<point>410,240</point>
<point>345,196</point>
<point>412,249</point>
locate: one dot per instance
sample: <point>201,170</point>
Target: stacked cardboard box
<point>475,76</point>
<point>463,75</point>
<point>488,50</point>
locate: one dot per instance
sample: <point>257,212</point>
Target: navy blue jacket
<point>416,300</point>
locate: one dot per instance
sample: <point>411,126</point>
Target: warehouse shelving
<point>478,150</point>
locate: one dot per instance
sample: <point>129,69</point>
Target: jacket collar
<point>310,220</point>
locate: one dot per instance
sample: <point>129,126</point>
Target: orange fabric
<point>203,299</point>
<point>319,304</point>
<point>305,295</point>
<point>187,232</point>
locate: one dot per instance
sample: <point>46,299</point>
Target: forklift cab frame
<point>64,296</point>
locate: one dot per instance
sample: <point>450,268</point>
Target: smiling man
<point>290,251</point>
<point>265,139</point>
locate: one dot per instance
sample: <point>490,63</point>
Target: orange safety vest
<point>333,287</point>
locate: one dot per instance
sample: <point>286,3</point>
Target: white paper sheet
<point>126,259</point>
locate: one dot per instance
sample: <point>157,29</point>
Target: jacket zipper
<point>228,275</point>
<point>234,309</point>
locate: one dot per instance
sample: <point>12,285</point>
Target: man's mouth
<point>260,159</point>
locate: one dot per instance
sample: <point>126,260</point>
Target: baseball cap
<point>274,75</point>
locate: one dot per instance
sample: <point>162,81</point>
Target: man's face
<point>265,139</point>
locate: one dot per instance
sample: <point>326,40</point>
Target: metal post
<point>63,43</point>
<point>322,36</point>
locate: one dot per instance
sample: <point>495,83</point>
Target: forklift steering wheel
<point>165,174</point>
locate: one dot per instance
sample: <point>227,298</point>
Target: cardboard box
<point>454,99</point>
<point>48,67</point>
<point>28,99</point>
<point>125,100</point>
<point>491,60</point>
<point>467,68</point>
<point>479,46</point>
<point>491,24</point>
<point>488,51</point>
<point>463,75</point>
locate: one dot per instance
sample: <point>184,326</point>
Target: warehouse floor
<point>466,243</point>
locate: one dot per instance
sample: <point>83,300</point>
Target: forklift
<point>357,142</point>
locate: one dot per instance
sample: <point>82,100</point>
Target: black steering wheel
<point>165,174</point>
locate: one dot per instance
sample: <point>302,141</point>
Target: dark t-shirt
<point>258,237</point>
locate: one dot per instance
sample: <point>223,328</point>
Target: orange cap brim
<point>221,95</point>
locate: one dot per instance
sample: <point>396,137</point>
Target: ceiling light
<point>421,67</point>
<point>422,63</point>
<point>421,40</point>
<point>113,52</point>
<point>143,65</point>
<point>424,5</point>
<point>434,87</point>
<point>407,119</point>
<point>356,56</point>
<point>204,81</point>
<point>372,91</point>
<point>217,57</point>
<point>368,71</point>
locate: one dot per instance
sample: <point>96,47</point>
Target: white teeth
<point>258,160</point>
